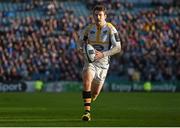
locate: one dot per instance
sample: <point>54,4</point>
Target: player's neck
<point>101,25</point>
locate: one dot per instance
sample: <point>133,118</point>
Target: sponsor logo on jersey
<point>98,47</point>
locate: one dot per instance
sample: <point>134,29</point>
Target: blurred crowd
<point>33,48</point>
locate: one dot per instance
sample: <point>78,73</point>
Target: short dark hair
<point>100,7</point>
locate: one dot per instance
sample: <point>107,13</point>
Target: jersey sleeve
<point>80,41</point>
<point>115,42</point>
<point>83,36</point>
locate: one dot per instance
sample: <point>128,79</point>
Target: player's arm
<point>81,41</point>
<point>79,46</point>
<point>83,38</point>
<point>116,44</point>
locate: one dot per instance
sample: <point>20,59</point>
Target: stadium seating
<point>38,40</point>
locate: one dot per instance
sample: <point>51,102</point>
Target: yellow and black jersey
<point>104,39</point>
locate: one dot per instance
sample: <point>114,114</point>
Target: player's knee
<point>87,84</point>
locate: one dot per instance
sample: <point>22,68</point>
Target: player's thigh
<point>88,76</point>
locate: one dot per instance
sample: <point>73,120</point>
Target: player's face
<point>99,17</point>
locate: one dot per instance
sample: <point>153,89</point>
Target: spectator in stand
<point>33,47</point>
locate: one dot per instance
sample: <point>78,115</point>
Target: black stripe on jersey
<point>110,43</point>
<point>116,35</point>
<point>85,38</point>
<point>104,32</point>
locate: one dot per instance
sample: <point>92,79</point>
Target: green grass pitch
<point>110,109</point>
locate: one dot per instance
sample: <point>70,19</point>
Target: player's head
<point>99,14</point>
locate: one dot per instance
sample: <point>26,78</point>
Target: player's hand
<point>99,55</point>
